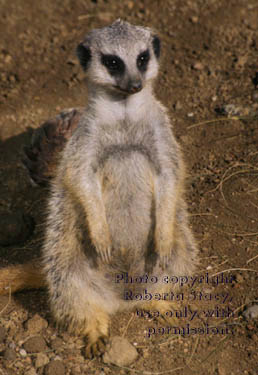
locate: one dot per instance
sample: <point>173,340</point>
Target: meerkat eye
<point>142,60</point>
<point>113,63</point>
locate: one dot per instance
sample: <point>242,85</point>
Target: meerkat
<point>116,205</point>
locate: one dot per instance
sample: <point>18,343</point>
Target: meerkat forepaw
<point>104,252</point>
<point>164,249</point>
<point>103,245</point>
<point>96,348</point>
<point>164,244</point>
<point>165,260</point>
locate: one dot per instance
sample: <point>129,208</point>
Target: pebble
<point>23,352</point>
<point>251,312</point>
<point>36,324</point>
<point>2,334</point>
<point>56,343</point>
<point>76,370</point>
<point>120,352</point>
<point>239,278</point>
<point>55,368</point>
<point>130,4</point>
<point>8,59</point>
<point>35,344</point>
<point>9,354</point>
<point>31,371</point>
<point>194,19</point>
<point>41,360</point>
<point>198,66</point>
<point>178,105</point>
<point>231,110</point>
<point>12,345</point>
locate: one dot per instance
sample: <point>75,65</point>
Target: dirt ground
<point>209,83</point>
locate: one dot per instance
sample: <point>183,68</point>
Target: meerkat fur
<point>116,204</point>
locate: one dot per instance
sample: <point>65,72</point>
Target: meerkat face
<point>121,57</point>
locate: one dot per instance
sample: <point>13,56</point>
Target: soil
<point>209,83</point>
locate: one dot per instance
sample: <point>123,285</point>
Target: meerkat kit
<point>116,207</point>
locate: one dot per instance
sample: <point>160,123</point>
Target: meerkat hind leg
<point>97,334</point>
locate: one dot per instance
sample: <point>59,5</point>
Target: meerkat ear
<point>156,45</point>
<point>84,55</point>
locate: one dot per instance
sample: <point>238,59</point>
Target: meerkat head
<point>121,58</point>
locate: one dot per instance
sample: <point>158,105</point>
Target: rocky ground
<point>209,83</point>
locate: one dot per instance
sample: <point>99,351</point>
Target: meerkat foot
<point>96,348</point>
<point>97,335</point>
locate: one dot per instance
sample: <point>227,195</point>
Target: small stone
<point>251,312</point>
<point>36,324</point>
<point>120,352</point>
<point>76,370</point>
<point>2,334</point>
<point>231,110</point>
<point>35,345</point>
<point>31,371</point>
<point>55,368</point>
<point>9,354</point>
<point>194,19</point>
<point>12,345</point>
<point>23,352</point>
<point>10,371</point>
<point>56,343</point>
<point>8,59</point>
<point>221,369</point>
<point>41,360</point>
<point>198,66</point>
<point>190,114</point>
<point>239,278</point>
<point>130,4</point>
<point>178,105</point>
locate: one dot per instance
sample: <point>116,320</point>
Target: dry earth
<point>209,82</point>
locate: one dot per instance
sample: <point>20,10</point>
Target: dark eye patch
<point>156,46</point>
<point>84,55</point>
<point>113,63</point>
<point>142,60</point>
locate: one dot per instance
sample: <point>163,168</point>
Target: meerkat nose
<point>134,87</point>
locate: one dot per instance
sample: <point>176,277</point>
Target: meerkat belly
<point>128,198</point>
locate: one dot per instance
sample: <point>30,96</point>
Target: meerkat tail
<point>21,276</point>
<point>40,158</point>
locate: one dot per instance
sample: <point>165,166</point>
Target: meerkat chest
<point>125,142</point>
